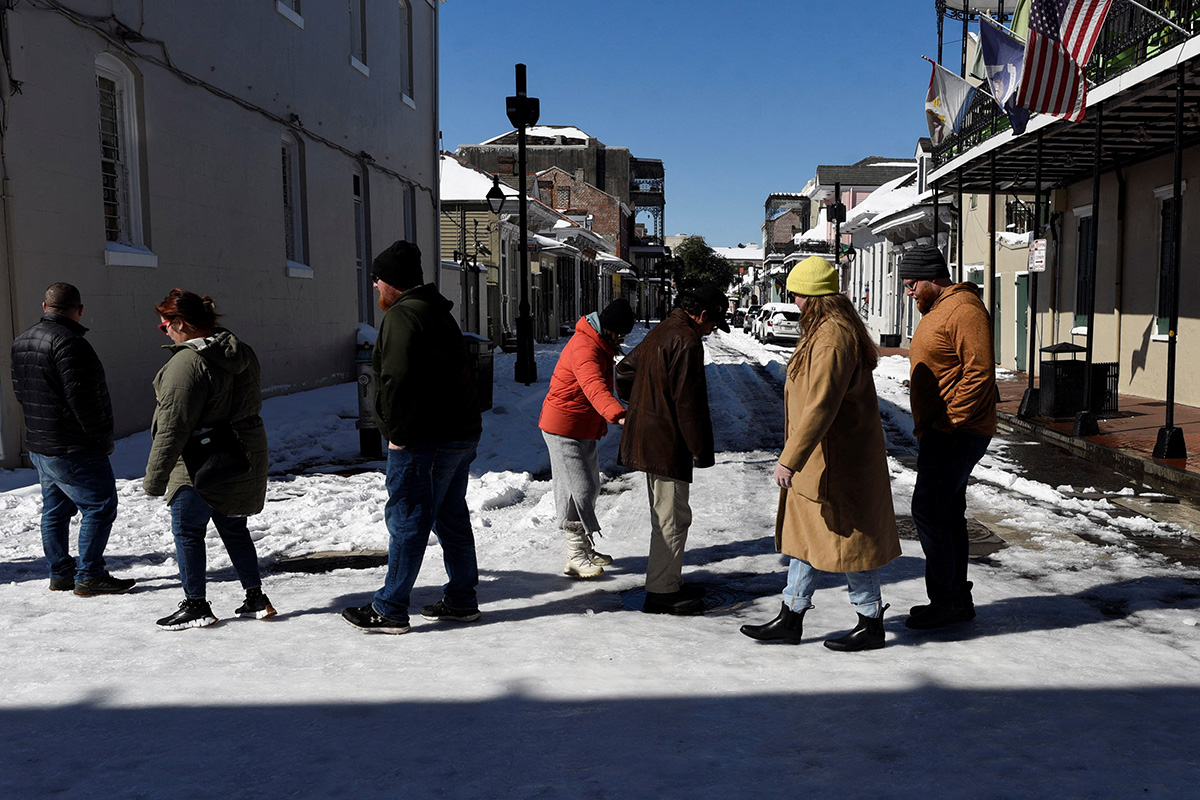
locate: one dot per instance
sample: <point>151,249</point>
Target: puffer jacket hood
<point>222,351</point>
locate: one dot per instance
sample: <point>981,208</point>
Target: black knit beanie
<point>399,265</point>
<point>617,317</point>
<point>924,263</point>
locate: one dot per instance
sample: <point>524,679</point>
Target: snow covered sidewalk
<point>1079,678</point>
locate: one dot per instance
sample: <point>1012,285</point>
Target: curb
<point>1156,474</point>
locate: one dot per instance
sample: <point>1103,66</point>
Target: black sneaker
<point>365,618</point>
<point>257,605</point>
<point>105,584</point>
<point>62,584</point>
<point>191,614</point>
<point>441,611</point>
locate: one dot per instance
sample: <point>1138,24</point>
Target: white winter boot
<point>578,563</point>
<point>573,527</point>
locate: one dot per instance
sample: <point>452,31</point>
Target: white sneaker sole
<point>395,631</point>
<point>202,622</point>
<point>269,611</point>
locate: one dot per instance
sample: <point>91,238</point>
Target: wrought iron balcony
<point>1130,37</point>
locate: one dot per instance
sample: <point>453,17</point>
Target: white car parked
<point>778,322</point>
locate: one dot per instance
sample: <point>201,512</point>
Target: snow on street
<point>1079,678</point>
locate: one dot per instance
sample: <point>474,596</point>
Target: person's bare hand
<point>783,476</point>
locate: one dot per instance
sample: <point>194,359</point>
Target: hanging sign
<point>1037,255</point>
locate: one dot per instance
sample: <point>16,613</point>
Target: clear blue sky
<point>738,99</point>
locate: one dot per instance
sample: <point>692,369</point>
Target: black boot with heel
<point>785,628</point>
<point>867,635</point>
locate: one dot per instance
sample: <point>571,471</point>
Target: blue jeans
<point>71,483</point>
<point>803,578</point>
<point>939,507</point>
<point>427,491</point>
<point>189,522</point>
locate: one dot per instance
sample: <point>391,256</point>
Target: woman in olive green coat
<point>212,378</point>
<point>835,501</point>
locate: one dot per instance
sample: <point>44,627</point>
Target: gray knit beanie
<point>924,263</point>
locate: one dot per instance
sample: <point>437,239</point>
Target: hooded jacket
<point>952,382</point>
<point>580,402</point>
<point>667,426</point>
<point>203,383</point>
<point>424,393</point>
<point>59,381</point>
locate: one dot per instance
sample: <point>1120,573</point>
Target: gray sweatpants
<point>575,471</point>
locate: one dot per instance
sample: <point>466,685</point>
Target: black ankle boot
<point>785,628</point>
<point>867,635</point>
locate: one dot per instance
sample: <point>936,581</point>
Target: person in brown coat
<point>667,431</point>
<point>835,499</point>
<point>952,389</point>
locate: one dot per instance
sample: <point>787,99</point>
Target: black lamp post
<point>523,111</point>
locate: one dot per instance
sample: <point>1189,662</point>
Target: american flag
<point>1062,34</point>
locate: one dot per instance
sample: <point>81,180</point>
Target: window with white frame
<point>1085,265</point>
<point>291,10</point>
<point>1166,285</point>
<point>406,50</point>
<point>119,154</point>
<point>410,213</point>
<point>361,251</point>
<point>358,35</point>
<point>293,198</point>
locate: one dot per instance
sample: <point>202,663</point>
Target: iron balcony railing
<point>1130,37</point>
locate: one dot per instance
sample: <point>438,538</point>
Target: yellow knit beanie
<point>813,277</point>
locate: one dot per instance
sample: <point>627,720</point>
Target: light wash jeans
<point>803,578</point>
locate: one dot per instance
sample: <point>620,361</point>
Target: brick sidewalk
<point>1125,442</point>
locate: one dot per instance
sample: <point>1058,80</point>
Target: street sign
<point>1037,255</point>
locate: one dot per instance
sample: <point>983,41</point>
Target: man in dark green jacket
<point>426,407</point>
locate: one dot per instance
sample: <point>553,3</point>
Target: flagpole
<point>1007,29</point>
<point>1160,17</point>
<point>985,85</point>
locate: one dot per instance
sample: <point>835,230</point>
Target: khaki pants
<point>670,518</point>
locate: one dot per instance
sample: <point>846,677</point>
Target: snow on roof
<point>892,196</point>
<point>549,131</point>
<point>750,253</point>
<point>463,183</point>
<point>565,131</point>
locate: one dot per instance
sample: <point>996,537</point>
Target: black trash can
<point>889,340</point>
<point>479,357</point>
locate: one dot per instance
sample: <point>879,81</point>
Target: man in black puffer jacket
<point>59,381</point>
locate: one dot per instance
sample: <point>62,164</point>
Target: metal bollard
<point>370,443</point>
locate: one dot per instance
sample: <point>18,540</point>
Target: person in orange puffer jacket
<point>575,415</point>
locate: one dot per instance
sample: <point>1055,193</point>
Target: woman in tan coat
<point>835,500</point>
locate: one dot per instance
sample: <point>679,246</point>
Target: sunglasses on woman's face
<point>162,326</point>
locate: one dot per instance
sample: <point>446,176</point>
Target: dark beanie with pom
<point>923,263</point>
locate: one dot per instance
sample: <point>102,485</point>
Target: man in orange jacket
<point>952,392</point>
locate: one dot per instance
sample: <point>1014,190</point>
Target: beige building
<point>1117,269</point>
<point>257,152</point>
